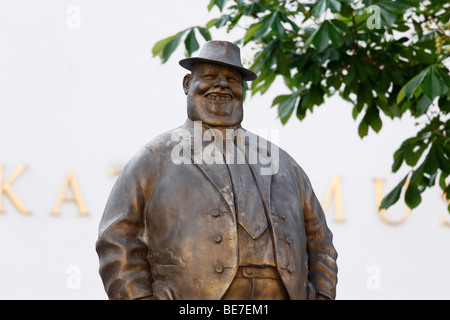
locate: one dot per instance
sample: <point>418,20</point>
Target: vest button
<point>217,238</point>
<point>290,269</point>
<point>218,268</point>
<point>215,213</point>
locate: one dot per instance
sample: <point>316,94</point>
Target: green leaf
<point>424,57</point>
<point>393,196</point>
<point>422,105</point>
<point>387,18</point>
<point>355,113</point>
<point>219,3</point>
<point>205,33</point>
<point>396,5</point>
<point>220,22</point>
<point>412,196</point>
<point>334,5</point>
<point>287,106</point>
<point>414,83</point>
<point>283,64</point>
<point>311,73</point>
<point>335,36</point>
<point>321,37</point>
<point>444,163</point>
<point>418,28</point>
<point>444,75</point>
<point>401,95</point>
<point>431,163</point>
<point>251,31</point>
<point>268,80</point>
<point>211,23</point>
<point>363,129</point>
<point>265,28</point>
<point>279,99</point>
<point>211,5</point>
<point>160,45</point>
<point>413,152</point>
<point>277,27</point>
<point>165,47</point>
<point>399,156</point>
<point>172,45</point>
<point>191,43</point>
<point>442,179</point>
<point>432,85</point>
<point>376,122</point>
<point>444,104</point>
<point>319,8</point>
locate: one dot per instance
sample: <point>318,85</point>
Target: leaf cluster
<point>384,57</point>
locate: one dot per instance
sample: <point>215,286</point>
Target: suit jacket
<point>159,229</point>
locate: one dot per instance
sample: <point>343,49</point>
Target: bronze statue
<point>211,211</point>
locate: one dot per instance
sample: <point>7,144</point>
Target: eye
<point>209,77</point>
<point>232,79</point>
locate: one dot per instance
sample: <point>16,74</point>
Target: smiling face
<point>214,95</point>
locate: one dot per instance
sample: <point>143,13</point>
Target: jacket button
<point>217,238</point>
<point>218,268</point>
<point>290,269</point>
<point>287,240</point>
<point>215,213</point>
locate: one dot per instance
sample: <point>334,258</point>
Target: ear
<point>186,80</point>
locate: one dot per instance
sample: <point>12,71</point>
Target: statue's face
<point>214,95</point>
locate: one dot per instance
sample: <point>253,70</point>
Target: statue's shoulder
<point>166,141</point>
<point>153,153</point>
<point>271,147</point>
<point>284,158</point>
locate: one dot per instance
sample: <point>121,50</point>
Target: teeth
<point>217,97</point>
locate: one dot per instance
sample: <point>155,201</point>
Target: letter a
<point>70,181</point>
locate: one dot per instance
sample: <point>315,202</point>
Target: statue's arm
<point>122,250</point>
<point>321,252</point>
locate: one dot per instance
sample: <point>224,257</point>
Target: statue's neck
<point>223,129</point>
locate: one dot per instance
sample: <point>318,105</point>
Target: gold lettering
<point>445,216</point>
<point>6,188</point>
<point>70,182</point>
<point>114,172</point>
<point>334,190</point>
<point>379,194</point>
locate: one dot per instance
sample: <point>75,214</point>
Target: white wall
<point>86,99</point>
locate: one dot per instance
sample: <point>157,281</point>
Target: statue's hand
<point>152,297</point>
<point>311,291</point>
<point>161,291</point>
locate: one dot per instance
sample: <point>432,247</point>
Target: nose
<point>221,82</point>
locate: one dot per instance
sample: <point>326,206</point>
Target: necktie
<point>249,207</point>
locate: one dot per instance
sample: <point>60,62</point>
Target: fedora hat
<point>223,53</point>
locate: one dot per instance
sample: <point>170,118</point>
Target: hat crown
<point>223,53</point>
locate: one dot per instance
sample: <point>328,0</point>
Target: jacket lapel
<point>215,172</point>
<point>260,168</point>
<point>256,148</point>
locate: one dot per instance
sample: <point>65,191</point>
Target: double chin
<point>216,113</point>
<point>220,109</point>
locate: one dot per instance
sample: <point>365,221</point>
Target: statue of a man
<point>211,211</point>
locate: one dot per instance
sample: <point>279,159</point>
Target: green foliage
<point>384,57</point>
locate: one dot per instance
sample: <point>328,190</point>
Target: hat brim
<point>247,75</point>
